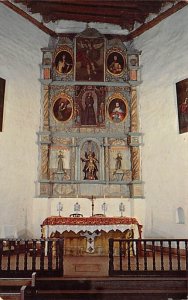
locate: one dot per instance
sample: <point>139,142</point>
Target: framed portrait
<point>89,59</point>
<point>182,104</point>
<point>115,62</point>
<point>90,106</point>
<point>64,61</point>
<point>62,108</point>
<point>2,93</point>
<point>117,108</point>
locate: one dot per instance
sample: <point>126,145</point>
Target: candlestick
<point>59,207</point>
<point>121,208</point>
<point>104,207</point>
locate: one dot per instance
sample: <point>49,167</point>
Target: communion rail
<point>164,257</point>
<point>20,258</point>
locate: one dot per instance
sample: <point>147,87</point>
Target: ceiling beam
<point>155,21</point>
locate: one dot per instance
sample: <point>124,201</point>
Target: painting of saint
<point>115,63</point>
<point>182,103</point>
<point>2,92</point>
<point>90,59</point>
<point>89,106</point>
<point>62,109</point>
<point>117,110</point>
<point>63,62</point>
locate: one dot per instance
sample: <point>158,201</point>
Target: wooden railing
<point>20,258</point>
<point>148,256</point>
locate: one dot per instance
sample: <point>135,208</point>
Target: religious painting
<point>62,108</point>
<point>117,108</point>
<point>182,103</point>
<point>2,92</point>
<point>89,106</point>
<point>90,160</point>
<point>64,61</point>
<point>89,59</point>
<point>116,62</point>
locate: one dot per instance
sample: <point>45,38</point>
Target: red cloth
<point>56,220</point>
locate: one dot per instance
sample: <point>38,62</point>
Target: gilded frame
<point>62,107</point>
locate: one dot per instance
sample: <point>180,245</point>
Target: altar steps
<point>105,288</point>
<point>11,288</point>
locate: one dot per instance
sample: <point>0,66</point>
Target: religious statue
<point>60,162</point>
<point>90,169</point>
<point>118,161</point>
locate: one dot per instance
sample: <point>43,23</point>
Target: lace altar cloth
<point>91,224</point>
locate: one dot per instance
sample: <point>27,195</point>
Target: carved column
<point>45,115</point>
<point>136,188</point>
<point>134,111</point>
<point>44,161</point>
<point>135,157</point>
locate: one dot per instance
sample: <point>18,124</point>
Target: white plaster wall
<point>164,62</point>
<point>20,56</point>
<point>164,154</point>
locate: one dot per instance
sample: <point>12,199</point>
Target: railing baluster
<point>42,255</point>
<point>145,257</point>
<point>111,256</point>
<point>9,254</point>
<point>170,255</point>
<point>178,255</point>
<point>61,251</point>
<point>25,255</point>
<point>1,253</point>
<point>186,256</point>
<point>153,255</point>
<point>162,256</point>
<point>17,245</point>
<point>120,255</point>
<point>137,254</point>
<point>57,254</point>
<point>34,253</point>
<point>129,254</point>
<point>49,254</point>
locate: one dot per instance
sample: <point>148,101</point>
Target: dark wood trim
<point>32,20</point>
<point>154,22</point>
<point>128,37</point>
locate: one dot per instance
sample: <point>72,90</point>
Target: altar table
<point>89,234</point>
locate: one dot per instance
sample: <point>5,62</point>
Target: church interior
<point>93,121</point>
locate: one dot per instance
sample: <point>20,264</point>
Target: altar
<point>89,235</point>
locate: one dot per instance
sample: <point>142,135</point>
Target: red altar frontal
<point>89,234</point>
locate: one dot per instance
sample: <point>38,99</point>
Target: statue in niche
<point>118,161</point>
<point>90,168</point>
<point>118,173</point>
<point>61,172</point>
<point>60,162</point>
